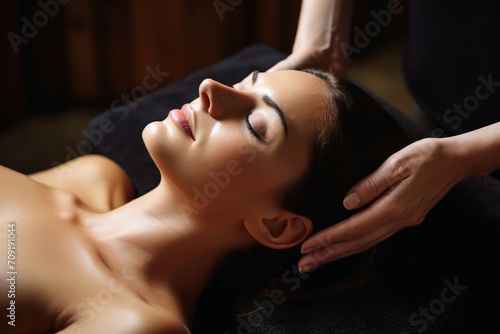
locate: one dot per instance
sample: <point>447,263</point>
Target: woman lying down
<point>253,170</point>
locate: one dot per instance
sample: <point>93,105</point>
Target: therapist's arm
<point>403,190</point>
<point>322,28</point>
<point>480,150</point>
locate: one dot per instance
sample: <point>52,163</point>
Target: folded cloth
<point>437,278</point>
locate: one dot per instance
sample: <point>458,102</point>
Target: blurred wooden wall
<point>89,52</point>
<point>112,42</point>
<point>92,51</point>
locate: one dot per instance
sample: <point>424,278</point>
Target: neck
<point>164,254</point>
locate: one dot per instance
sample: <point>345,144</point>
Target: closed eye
<point>256,134</point>
<point>270,102</point>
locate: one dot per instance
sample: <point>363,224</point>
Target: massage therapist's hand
<point>324,25</point>
<point>306,56</point>
<point>323,28</point>
<point>398,194</point>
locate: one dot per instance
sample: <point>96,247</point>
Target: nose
<point>223,101</point>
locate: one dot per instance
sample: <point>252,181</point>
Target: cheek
<point>224,144</point>
<point>234,163</point>
<point>169,152</point>
<point>253,173</point>
<point>250,167</point>
<point>232,170</point>
<point>217,163</point>
<point>270,172</point>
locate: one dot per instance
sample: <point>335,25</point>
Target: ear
<point>283,231</point>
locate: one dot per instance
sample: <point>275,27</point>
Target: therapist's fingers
<point>329,61</point>
<point>356,234</point>
<point>292,62</point>
<point>343,249</point>
<point>371,187</point>
<point>353,227</point>
<point>304,59</point>
<point>282,65</point>
<point>239,85</point>
<point>307,58</point>
<point>406,187</point>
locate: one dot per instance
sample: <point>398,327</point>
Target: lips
<point>184,118</point>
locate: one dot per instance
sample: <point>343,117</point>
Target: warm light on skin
<point>222,137</point>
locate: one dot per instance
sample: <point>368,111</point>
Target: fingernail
<point>304,269</point>
<point>306,250</point>
<point>352,201</point>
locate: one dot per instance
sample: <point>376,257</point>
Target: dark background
<point>85,54</point>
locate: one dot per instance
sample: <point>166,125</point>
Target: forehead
<point>294,83</point>
<point>300,95</point>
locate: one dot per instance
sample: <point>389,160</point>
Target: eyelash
<point>252,130</point>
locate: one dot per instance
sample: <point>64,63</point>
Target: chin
<point>165,149</point>
<point>155,137</point>
<point>152,133</point>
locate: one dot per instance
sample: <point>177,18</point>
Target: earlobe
<point>284,231</point>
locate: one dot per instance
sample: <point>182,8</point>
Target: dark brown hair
<point>353,138</point>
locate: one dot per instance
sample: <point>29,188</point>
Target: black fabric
<point>453,46</point>
<point>455,245</point>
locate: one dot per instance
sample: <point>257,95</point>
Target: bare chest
<point>51,270</point>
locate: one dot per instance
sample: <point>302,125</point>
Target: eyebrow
<point>255,75</point>
<point>270,102</point>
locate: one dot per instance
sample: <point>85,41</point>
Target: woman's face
<point>231,148</point>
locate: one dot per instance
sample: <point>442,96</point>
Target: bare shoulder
<point>95,179</point>
<point>151,320</point>
<point>130,320</point>
<point>14,183</point>
<point>161,322</point>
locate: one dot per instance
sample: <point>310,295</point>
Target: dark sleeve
<point>452,62</point>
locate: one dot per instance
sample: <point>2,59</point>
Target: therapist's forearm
<point>478,150</point>
<point>324,24</point>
